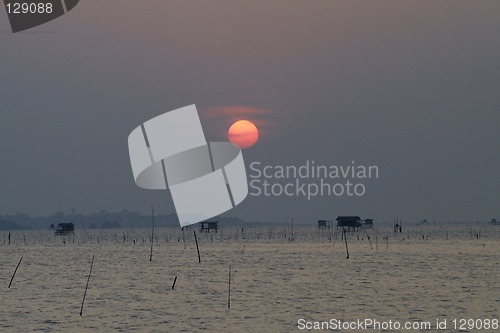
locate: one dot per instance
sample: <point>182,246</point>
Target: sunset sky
<point>409,86</point>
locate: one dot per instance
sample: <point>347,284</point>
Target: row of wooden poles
<point>150,259</point>
<point>272,233</point>
<point>344,236</point>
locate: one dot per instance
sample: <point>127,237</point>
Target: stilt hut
<point>349,223</point>
<point>208,226</point>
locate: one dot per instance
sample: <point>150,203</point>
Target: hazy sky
<point>409,86</point>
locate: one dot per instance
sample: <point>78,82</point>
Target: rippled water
<point>424,273</point>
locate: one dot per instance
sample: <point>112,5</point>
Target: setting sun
<point>243,133</point>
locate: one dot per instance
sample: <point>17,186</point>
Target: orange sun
<point>243,134</point>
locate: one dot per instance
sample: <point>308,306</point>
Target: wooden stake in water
<point>197,248</point>
<point>173,285</point>
<point>229,289</point>
<point>152,233</point>
<point>346,248</point>
<point>87,286</point>
<point>369,240</point>
<point>15,271</point>
<point>183,238</point>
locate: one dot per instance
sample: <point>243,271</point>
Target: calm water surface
<point>423,274</point>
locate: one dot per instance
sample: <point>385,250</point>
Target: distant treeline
<point>102,219</point>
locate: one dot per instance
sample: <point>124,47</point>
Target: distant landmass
<point>102,220</point>
<point>9,225</point>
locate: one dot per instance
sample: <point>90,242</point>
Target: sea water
<point>433,274</point>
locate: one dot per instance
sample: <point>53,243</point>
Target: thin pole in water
<point>152,233</point>
<point>197,248</point>
<point>15,271</point>
<point>229,289</point>
<point>346,248</point>
<point>173,285</point>
<point>369,240</point>
<point>183,238</point>
<point>87,286</point>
